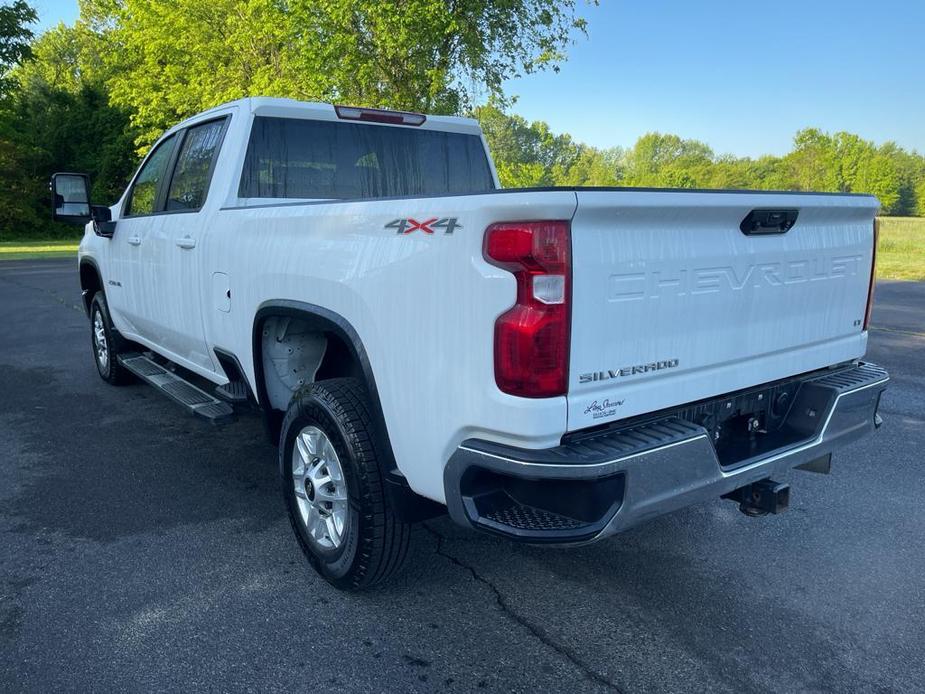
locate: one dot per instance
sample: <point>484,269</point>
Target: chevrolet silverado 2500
<point>549,365</point>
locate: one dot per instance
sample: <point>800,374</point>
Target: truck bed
<point>671,301</point>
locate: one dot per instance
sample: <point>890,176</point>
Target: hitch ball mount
<point>761,498</point>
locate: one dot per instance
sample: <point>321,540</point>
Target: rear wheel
<point>107,343</point>
<point>332,482</point>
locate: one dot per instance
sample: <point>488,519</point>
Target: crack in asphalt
<point>537,631</point>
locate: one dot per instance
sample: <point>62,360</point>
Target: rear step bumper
<point>606,482</point>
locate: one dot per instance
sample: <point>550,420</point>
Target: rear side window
<point>293,158</point>
<point>190,180</point>
<point>144,191</point>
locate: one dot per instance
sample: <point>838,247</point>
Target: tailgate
<point>672,302</point>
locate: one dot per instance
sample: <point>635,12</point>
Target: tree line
<point>529,154</point>
<point>94,95</point>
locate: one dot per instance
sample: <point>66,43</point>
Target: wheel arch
<point>406,503</point>
<point>318,318</point>
<point>91,281</point>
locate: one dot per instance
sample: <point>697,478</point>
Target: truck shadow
<point>104,463</point>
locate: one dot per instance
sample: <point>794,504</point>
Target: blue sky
<point>742,76</point>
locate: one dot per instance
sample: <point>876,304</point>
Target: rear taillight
<point>873,273</point>
<point>532,338</point>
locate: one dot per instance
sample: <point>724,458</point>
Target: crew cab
<point>548,365</point>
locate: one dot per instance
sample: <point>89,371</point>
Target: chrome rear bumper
<point>607,481</point>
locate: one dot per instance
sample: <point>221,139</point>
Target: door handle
<point>186,242</point>
<point>134,240</point>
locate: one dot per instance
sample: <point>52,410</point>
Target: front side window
<point>295,158</point>
<point>190,180</point>
<point>144,192</point>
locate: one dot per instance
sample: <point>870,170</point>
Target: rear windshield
<point>293,158</point>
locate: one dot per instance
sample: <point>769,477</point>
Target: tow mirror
<point>70,193</point>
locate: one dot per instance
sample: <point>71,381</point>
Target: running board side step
<point>196,401</point>
<point>232,392</point>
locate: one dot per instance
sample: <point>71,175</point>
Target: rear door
<point>673,302</point>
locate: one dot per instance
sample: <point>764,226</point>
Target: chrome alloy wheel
<point>320,489</point>
<point>101,347</point>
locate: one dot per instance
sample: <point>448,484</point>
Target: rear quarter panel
<point>424,306</point>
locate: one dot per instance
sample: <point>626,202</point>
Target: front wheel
<point>107,343</point>
<point>330,461</point>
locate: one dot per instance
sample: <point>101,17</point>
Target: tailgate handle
<point>758,222</point>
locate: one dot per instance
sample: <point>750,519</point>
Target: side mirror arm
<point>102,221</point>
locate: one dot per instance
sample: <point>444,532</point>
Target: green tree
<point>59,117</point>
<point>15,36</point>
<point>520,175</point>
<point>667,161</point>
<point>911,170</point>
<point>592,167</point>
<point>729,173</point>
<point>851,156</point>
<point>878,176</point>
<point>528,153</point>
<point>66,58</point>
<point>813,164</point>
<point>769,173</point>
<point>93,96</point>
<point>920,198</point>
<point>172,58</point>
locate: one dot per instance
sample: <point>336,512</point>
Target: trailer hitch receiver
<point>761,498</point>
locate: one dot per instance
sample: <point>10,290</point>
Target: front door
<point>128,284</point>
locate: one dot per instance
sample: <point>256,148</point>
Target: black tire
<point>109,368</point>
<point>375,542</point>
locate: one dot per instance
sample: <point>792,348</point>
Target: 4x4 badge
<point>406,226</point>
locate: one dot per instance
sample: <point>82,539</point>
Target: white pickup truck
<point>549,365</point>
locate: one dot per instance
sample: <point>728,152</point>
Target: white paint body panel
<point>424,306</point>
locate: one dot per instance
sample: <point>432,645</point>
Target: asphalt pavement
<point>141,549</point>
